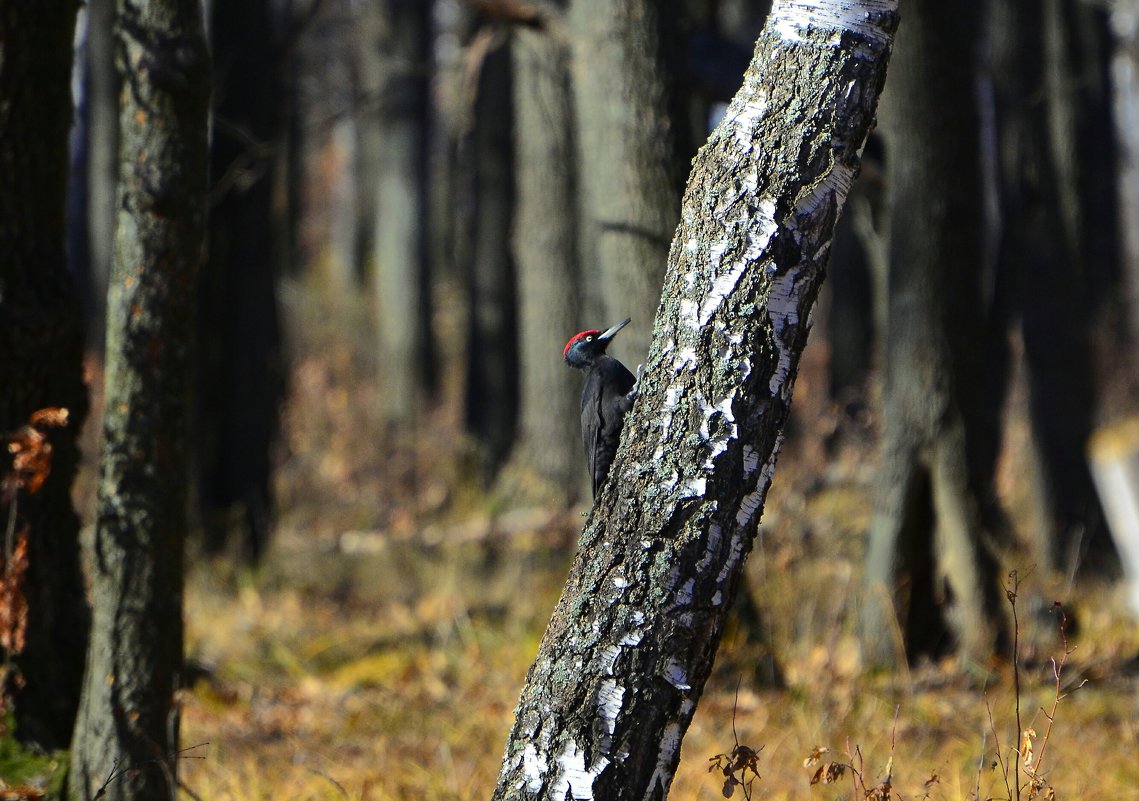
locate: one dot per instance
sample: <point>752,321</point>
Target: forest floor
<point>378,653</point>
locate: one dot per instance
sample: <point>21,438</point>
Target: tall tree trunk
<point>926,533</point>
<point>1042,250</point>
<point>1125,89</point>
<point>545,254</point>
<point>241,374</point>
<point>492,340</point>
<point>41,353</point>
<point>630,196</point>
<point>102,157</point>
<point>401,278</point>
<point>126,734</point>
<point>631,642</point>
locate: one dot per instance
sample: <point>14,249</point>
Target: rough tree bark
<point>631,641</point>
<point>630,199</point>
<point>41,352</point>
<point>927,533</point>
<point>545,256</point>
<point>127,730</point>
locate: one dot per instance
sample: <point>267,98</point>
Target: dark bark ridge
<point>631,642</point>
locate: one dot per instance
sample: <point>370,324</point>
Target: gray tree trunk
<point>102,156</point>
<point>630,199</point>
<point>927,532</point>
<point>400,263</point>
<point>41,354</point>
<point>1045,253</point>
<point>631,641</point>
<point>126,733</point>
<point>241,370</point>
<point>492,360</point>
<point>1061,309</point>
<point>1125,97</point>
<point>545,255</point>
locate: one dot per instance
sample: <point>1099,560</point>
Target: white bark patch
<point>722,286</point>
<point>716,252</point>
<point>749,505</point>
<point>734,555</point>
<point>672,397</point>
<point>694,487</point>
<point>766,225</point>
<point>744,119</point>
<point>794,19</point>
<point>533,769</point>
<point>669,748</point>
<point>609,700</point>
<point>575,779</point>
<point>835,183</point>
<point>783,311</point>
<point>752,503</point>
<point>677,675</point>
<point>727,433</point>
<point>751,460</point>
<point>632,638</point>
<point>685,358</point>
<point>684,595</point>
<point>715,534</point>
<point>689,313</point>
<point>609,656</point>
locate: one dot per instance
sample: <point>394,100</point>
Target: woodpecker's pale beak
<point>612,332</point>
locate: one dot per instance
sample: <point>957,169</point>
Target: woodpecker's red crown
<point>592,332</point>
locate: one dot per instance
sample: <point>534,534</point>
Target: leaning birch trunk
<point>631,641</point>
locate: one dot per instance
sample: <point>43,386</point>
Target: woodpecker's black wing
<point>604,402</point>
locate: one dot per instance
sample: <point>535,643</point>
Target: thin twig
<point>1011,595</point>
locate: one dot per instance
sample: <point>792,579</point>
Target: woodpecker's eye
<point>589,338</point>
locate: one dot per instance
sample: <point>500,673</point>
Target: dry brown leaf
<point>50,417</point>
<point>13,604</point>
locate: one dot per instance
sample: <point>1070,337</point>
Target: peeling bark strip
<point>631,642</point>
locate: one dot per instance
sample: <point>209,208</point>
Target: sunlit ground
<point>380,651</point>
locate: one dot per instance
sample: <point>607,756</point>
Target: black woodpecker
<point>608,394</point>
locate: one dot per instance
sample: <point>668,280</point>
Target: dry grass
<point>379,653</point>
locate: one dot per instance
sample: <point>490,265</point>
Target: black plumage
<point>605,399</point>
